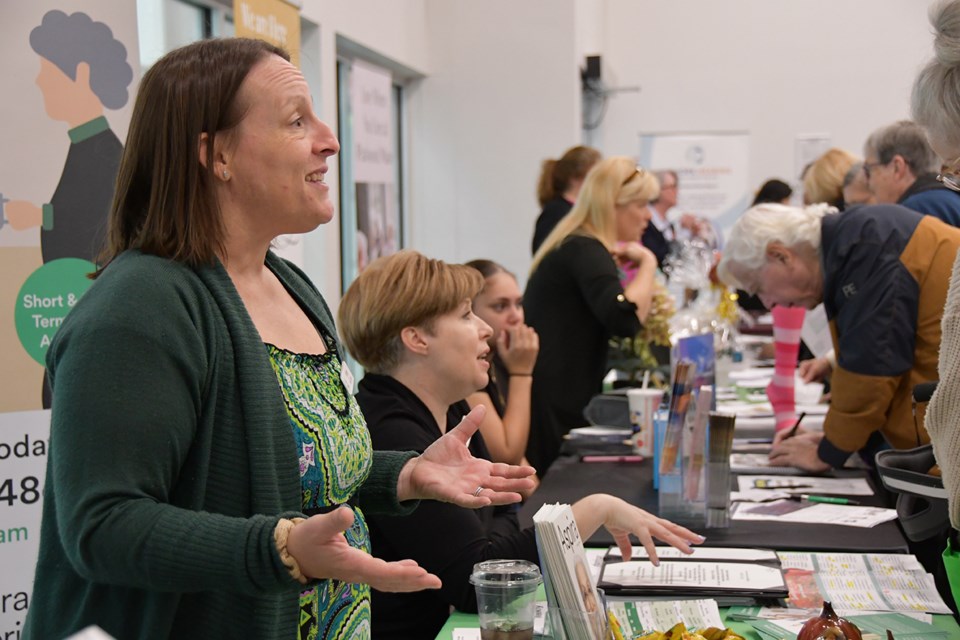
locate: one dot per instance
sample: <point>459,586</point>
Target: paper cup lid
<point>505,573</point>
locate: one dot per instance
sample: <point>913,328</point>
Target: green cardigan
<point>171,459</point>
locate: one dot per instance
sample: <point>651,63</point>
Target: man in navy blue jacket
<point>902,169</point>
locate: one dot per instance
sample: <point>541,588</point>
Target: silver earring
<point>226,174</point>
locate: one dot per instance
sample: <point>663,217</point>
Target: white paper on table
<point>705,553</point>
<point>879,563</point>
<point>720,575</point>
<point>863,591</point>
<point>746,409</point>
<point>752,445</point>
<point>758,463</point>
<point>539,617</point>
<point>595,563</point>
<point>814,513</point>
<point>809,484</point>
<point>758,495</point>
<point>870,581</point>
<point>466,634</point>
<point>802,615</point>
<point>764,409</point>
<point>816,331</point>
<point>753,375</point>
<point>664,614</point>
<point>599,430</point>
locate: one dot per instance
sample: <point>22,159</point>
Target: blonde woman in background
<point>823,181</point>
<point>575,302</point>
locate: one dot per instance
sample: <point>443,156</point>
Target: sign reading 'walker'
<point>44,300</point>
<point>275,21</point>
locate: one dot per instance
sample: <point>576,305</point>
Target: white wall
<point>501,93</point>
<point>775,69</point>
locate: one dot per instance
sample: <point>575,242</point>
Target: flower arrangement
<point>634,355</point>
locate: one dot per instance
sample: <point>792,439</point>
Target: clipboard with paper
<point>731,575</point>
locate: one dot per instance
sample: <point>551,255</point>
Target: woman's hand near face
<point>623,520</point>
<point>633,252</point>
<point>448,472</point>
<point>518,348</point>
<point>321,551</point>
<point>639,290</point>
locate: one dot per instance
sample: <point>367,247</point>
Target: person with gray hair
<point>660,234</point>
<point>83,70</point>
<point>901,168</point>
<point>881,272</point>
<point>936,107</point>
<point>856,189</point>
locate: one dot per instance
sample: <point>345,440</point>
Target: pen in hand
<point>796,425</point>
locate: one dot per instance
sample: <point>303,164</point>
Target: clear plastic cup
<point>506,595</point>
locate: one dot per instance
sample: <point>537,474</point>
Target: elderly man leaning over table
<point>882,272</point>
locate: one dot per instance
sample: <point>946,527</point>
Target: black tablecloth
<point>569,479</point>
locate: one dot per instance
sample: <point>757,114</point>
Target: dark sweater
<point>575,302</point>
<point>926,195</point>
<point>445,539</point>
<point>171,459</point>
<point>553,212</point>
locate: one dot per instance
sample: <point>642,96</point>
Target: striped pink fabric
<point>786,341</point>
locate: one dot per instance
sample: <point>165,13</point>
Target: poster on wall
<point>712,170</point>
<point>68,72</point>
<point>806,148</point>
<point>377,229</point>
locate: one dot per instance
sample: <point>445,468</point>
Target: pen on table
<point>825,499</point>
<point>589,458</point>
<point>796,425</point>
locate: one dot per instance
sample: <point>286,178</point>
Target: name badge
<point>346,376</point>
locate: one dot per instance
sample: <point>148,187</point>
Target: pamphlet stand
<point>718,470</point>
<point>682,494</point>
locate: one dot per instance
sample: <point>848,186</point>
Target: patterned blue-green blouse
<point>335,458</point>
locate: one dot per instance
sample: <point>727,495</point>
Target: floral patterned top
<point>335,458</point>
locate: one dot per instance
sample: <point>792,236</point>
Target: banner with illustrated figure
<point>68,70</point>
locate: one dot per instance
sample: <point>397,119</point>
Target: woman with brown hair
<point>513,353</point>
<point>409,321</point>
<point>558,186</point>
<point>208,467</point>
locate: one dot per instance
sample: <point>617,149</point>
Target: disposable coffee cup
<point>643,404</point>
<point>506,598</point>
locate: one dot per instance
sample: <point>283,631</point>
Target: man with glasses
<point>901,168</point>
<point>660,233</point>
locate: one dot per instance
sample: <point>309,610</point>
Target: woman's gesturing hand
<point>448,472</point>
<point>321,551</point>
<point>622,520</point>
